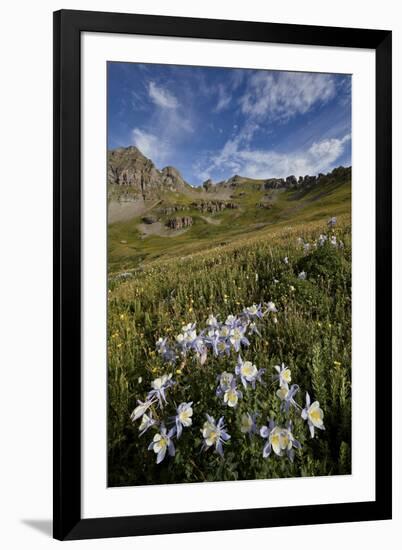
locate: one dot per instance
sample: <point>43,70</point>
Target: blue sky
<point>215,122</point>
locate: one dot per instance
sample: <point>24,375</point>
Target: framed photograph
<point>222,275</point>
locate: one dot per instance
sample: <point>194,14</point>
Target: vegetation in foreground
<point>308,279</point>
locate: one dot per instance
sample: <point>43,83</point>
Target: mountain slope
<point>165,217</point>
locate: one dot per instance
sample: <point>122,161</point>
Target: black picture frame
<point>68,27</point>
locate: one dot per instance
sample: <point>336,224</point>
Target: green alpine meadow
<point>229,339</point>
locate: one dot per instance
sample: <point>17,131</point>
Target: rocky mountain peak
<point>172,177</point>
<point>127,166</point>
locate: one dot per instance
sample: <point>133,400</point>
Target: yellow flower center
<point>315,415</point>
<point>286,375</point>
<point>185,415</point>
<point>248,369</point>
<point>282,393</point>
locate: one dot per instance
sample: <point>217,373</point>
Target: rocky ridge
<point>128,167</point>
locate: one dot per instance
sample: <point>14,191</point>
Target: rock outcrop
<point>168,210</point>
<point>208,185</point>
<point>213,206</point>
<point>179,222</point>
<point>266,205</point>
<point>127,166</point>
<point>149,220</point>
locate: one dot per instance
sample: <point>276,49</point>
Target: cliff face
<point>127,166</point>
<point>179,223</point>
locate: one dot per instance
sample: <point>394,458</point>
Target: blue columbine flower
<point>238,338</point>
<point>313,414</point>
<point>284,375</point>
<point>183,417</point>
<point>253,329</point>
<point>231,321</point>
<point>214,434</point>
<point>187,338</point>
<point>218,340</point>
<point>286,395</point>
<point>332,222</point>
<point>253,312</point>
<point>166,352</point>
<point>232,395</point>
<point>322,239</point>
<point>141,409</point>
<point>224,382</point>
<point>265,432</point>
<point>159,387</point>
<point>146,422</point>
<point>248,423</point>
<point>270,306</point>
<point>162,442</point>
<point>212,321</point>
<point>333,241</point>
<point>280,440</point>
<point>248,372</point>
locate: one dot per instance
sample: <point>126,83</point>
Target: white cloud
<point>282,95</point>
<point>330,149</point>
<point>166,128</point>
<point>150,145</point>
<point>260,164</point>
<point>224,99</point>
<point>162,97</point>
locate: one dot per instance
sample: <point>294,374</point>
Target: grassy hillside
<point>131,245</point>
<point>220,269</point>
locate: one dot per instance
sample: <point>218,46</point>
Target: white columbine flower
<point>159,387</point>
<point>161,443</point>
<point>253,310</point>
<point>183,417</point>
<point>180,338</point>
<point>280,440</point>
<point>188,328</point>
<point>248,423</point>
<point>140,409</point>
<point>146,422</point>
<point>271,307</point>
<point>232,395</point>
<point>212,321</point>
<point>214,434</point>
<point>237,338</point>
<point>231,320</point>
<point>248,372</point>
<point>313,414</point>
<point>331,222</point>
<point>284,375</point>
<point>302,275</point>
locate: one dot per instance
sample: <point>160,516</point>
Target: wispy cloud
<point>282,95</point>
<point>259,163</point>
<point>151,145</point>
<point>224,99</point>
<point>166,127</point>
<point>161,96</point>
